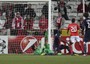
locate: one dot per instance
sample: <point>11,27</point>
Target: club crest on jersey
<point>26,43</point>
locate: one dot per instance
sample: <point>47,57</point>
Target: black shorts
<point>87,36</point>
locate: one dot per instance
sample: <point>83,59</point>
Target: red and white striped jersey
<point>17,23</point>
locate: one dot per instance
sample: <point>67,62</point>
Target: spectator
<point>28,23</point>
<point>19,8</point>
<point>45,10</point>
<point>30,11</point>
<point>43,22</point>
<point>10,11</point>
<point>2,19</point>
<point>0,13</point>
<point>4,7</point>
<point>89,7</point>
<point>80,7</point>
<point>18,21</point>
<point>8,24</point>
<point>9,14</point>
<point>62,9</point>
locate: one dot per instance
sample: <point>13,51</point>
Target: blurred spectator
<point>28,23</point>
<point>43,22</point>
<point>25,5</point>
<point>30,11</point>
<point>80,7</point>
<point>8,24</point>
<point>2,19</point>
<point>10,11</point>
<point>4,7</point>
<point>3,32</point>
<point>45,10</point>
<point>19,8</point>
<point>18,21</point>
<point>9,14</point>
<point>62,9</point>
<point>2,22</point>
<point>89,7</point>
<point>0,13</point>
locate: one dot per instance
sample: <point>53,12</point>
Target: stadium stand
<point>21,19</point>
<point>8,11</point>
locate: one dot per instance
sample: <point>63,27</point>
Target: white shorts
<point>74,39</point>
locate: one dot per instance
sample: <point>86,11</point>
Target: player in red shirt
<point>43,22</point>
<point>74,34</point>
<point>60,21</point>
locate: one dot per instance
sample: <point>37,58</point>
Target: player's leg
<point>72,40</point>
<point>86,39</point>
<point>64,47</point>
<point>78,40</point>
<point>68,48</point>
<point>55,48</point>
<point>85,48</point>
<point>69,45</point>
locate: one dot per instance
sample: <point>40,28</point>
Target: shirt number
<point>73,29</point>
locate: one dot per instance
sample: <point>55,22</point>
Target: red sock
<point>71,49</point>
<point>81,47</point>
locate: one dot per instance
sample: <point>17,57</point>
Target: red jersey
<point>28,24</point>
<point>59,19</point>
<point>73,29</point>
<point>43,23</point>
<point>18,23</point>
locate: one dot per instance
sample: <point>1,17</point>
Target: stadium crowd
<point>20,17</point>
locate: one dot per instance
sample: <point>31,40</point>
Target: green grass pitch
<point>33,59</point>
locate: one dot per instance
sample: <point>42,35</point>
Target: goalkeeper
<point>46,49</point>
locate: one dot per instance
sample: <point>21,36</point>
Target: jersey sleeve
<point>68,27</point>
<point>83,25</point>
<point>78,27</point>
<point>62,23</point>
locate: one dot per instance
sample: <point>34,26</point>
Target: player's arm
<point>78,27</point>
<point>82,29</point>
<point>55,21</point>
<point>68,29</point>
<point>13,23</point>
<point>62,25</point>
<point>22,23</point>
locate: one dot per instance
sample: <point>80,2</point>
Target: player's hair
<point>86,14</point>
<point>73,20</point>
